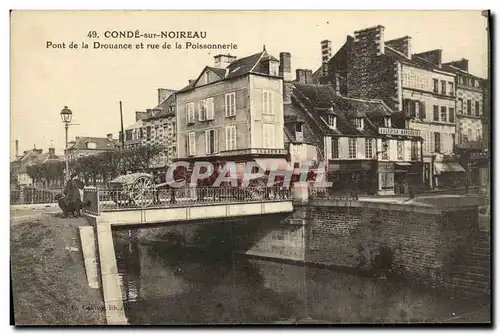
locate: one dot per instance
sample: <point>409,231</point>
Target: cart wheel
<point>143,192</point>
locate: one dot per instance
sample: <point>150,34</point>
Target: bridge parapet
<point>99,200</point>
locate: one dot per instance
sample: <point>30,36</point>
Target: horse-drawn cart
<point>136,189</point>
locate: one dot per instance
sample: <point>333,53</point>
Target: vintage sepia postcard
<point>250,167</point>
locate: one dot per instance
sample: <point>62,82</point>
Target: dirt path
<point>48,281</point>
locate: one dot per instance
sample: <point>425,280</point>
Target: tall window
<point>369,148</point>
<point>443,114</point>
<point>414,150</point>
<point>268,133</point>
<point>211,141</point>
<point>231,138</point>
<point>332,121</point>
<point>451,88</point>
<point>190,113</point>
<point>443,87</point>
<point>436,85</point>
<point>267,102</point>
<point>353,147</point>
<point>478,112</point>
<point>202,110</point>
<point>191,144</point>
<point>230,104</point>
<point>385,149</point>
<point>451,114</point>
<point>401,150</point>
<point>437,142</point>
<point>335,148</point>
<point>436,113</point>
<point>148,132</point>
<point>460,105</point>
<point>469,107</point>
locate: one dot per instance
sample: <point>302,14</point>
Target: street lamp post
<point>66,115</point>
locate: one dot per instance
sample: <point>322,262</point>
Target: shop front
<point>357,177</point>
<point>449,173</point>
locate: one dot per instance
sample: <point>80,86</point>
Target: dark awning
<point>448,167</point>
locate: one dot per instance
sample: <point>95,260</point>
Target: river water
<point>185,286</point>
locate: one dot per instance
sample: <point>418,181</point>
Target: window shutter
<point>226,99</point>
<point>207,141</point>
<point>328,147</point>
<point>413,107</point>
<point>233,131</point>
<point>187,113</point>
<point>270,102</point>
<point>216,140</point>
<point>233,104</point>
<point>210,109</point>
<point>422,110</point>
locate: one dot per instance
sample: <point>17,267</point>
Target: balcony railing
<point>99,200</point>
<point>477,145</point>
<point>34,196</point>
<point>398,131</point>
<point>254,151</point>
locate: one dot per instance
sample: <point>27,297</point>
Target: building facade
<point>89,146</point>
<point>415,84</point>
<point>156,126</point>
<point>366,144</point>
<point>233,111</point>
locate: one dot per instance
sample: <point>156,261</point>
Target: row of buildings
<point>384,119</point>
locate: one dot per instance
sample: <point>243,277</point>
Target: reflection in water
<point>167,286</point>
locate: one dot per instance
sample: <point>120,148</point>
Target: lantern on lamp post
<point>66,115</point>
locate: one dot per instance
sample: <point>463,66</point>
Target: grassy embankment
<point>48,281</point>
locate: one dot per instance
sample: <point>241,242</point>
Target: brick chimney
<point>285,68</point>
<point>432,56</point>
<point>164,93</point>
<point>52,151</point>
<point>17,148</point>
<point>402,44</point>
<point>462,64</point>
<point>140,115</point>
<point>300,76</point>
<point>326,54</point>
<point>309,76</point>
<point>223,61</point>
<point>369,42</point>
<point>109,136</point>
<point>191,81</point>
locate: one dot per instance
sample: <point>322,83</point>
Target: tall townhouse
<point>369,67</point>
<point>233,111</point>
<point>156,126</point>
<point>470,120</point>
<point>365,143</point>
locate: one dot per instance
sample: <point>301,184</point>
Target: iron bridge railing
<point>98,200</point>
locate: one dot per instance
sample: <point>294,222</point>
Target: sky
<point>92,82</point>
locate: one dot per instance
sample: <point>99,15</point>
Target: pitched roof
<point>101,143</point>
<point>318,99</point>
<point>294,114</point>
<point>255,64</point>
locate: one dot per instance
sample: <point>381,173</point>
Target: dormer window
<point>172,108</point>
<point>273,68</point>
<point>91,145</point>
<point>298,132</point>
<point>332,121</point>
<point>387,122</point>
<point>358,123</point>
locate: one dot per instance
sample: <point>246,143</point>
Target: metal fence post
<point>97,199</point>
